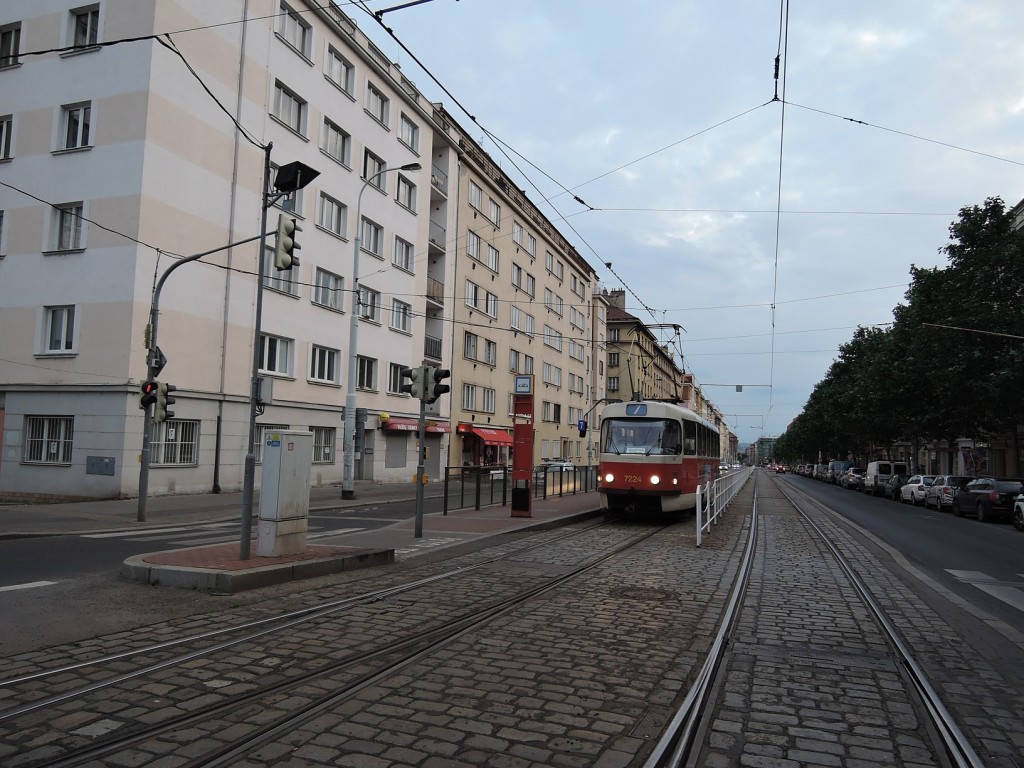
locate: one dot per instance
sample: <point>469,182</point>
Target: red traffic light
<point>149,391</point>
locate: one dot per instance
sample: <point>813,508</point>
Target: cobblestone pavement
<point>586,675</point>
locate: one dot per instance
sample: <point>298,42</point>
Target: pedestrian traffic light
<point>148,394</point>
<point>417,384</point>
<point>163,399</point>
<point>285,247</point>
<point>438,375</point>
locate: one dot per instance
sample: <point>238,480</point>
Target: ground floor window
<point>261,431</point>
<point>323,444</point>
<point>175,443</point>
<point>48,439</point>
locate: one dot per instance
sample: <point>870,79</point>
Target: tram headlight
<point>609,477</point>
<point>655,479</point>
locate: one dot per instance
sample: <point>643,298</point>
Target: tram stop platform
<point>219,568</point>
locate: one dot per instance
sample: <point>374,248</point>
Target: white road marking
<point>1011,595</point>
<point>28,585</point>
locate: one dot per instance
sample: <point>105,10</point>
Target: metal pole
<point>250,455</point>
<point>421,459</point>
<point>349,465</point>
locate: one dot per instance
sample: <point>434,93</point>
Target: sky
<point>768,218</point>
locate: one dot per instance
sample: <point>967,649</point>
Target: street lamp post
<point>348,478</point>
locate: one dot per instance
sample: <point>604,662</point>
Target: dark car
<point>891,489</point>
<point>987,498</point>
<point>942,490</point>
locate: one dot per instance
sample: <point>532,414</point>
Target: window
<point>331,215</point>
<point>468,397</point>
<point>60,330</point>
<point>469,345</point>
<point>48,439</point>
<point>406,194</point>
<point>323,444</point>
<point>175,443</point>
<point>10,44</point>
<point>293,29</point>
<point>401,316</point>
<point>67,227</point>
<point>323,365</point>
<point>476,197</point>
<point>6,136</point>
<point>494,213</point>
<point>492,258</point>
<point>613,359</point>
<point>576,350</point>
<point>552,338</point>
<point>371,238</point>
<point>517,276</point>
<point>522,321</point>
<point>490,352</point>
<point>339,70</point>
<point>289,108</point>
<point>327,290</point>
<point>473,245</point>
<point>531,244</point>
<point>403,258</point>
<point>613,334</point>
<point>409,133</point>
<point>369,304</point>
<point>275,355</point>
<point>283,280</point>
<point>373,170</point>
<point>517,233</point>
<point>613,383</point>
<point>513,360</point>
<point>85,26</point>
<point>474,293</point>
<point>531,286</point>
<point>366,373</point>
<point>336,143</point>
<point>75,120</point>
<point>489,400</point>
<point>377,103</point>
<point>491,304</point>
<point>395,379</point>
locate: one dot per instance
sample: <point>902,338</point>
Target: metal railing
<point>712,499</point>
<point>479,486</point>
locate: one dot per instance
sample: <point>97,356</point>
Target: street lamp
<point>348,477</point>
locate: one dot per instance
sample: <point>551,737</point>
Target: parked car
<point>987,498</point>
<point>836,468</point>
<point>853,478</point>
<point>1018,513</point>
<point>891,489</point>
<point>879,472</point>
<point>552,467</point>
<point>941,492</point>
<point>915,489</point>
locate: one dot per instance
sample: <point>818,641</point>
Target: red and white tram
<point>653,455</point>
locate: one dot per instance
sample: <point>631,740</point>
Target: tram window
<point>690,441</point>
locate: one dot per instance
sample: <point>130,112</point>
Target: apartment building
<point>521,303</point>
<point>118,158</point>
<point>638,363</point>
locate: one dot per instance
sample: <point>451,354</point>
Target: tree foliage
<point>949,366</point>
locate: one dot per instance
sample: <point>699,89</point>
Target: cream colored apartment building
<point>123,148</point>
<point>521,303</point>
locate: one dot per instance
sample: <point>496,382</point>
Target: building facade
<point>118,159</point>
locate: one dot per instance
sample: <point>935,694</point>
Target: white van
<point>878,475</point>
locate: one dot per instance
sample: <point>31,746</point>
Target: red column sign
<point>522,438</point>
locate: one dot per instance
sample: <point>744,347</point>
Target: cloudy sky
<point>661,116</point>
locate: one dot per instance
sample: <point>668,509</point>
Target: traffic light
<point>284,249</point>
<point>417,385</point>
<point>163,399</point>
<point>148,394</point>
<point>438,375</point>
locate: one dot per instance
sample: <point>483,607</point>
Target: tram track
<point>334,679</point>
<point>680,743</point>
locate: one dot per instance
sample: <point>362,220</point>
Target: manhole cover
<point>643,593</point>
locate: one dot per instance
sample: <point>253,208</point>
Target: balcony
<point>439,179</point>
<point>435,291</point>
<point>437,237</point>
<point>432,347</point>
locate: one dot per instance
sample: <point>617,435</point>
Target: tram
<point>653,455</point>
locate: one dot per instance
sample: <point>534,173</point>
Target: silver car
<point>915,489</point>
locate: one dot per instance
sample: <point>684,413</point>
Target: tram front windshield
<point>647,437</point>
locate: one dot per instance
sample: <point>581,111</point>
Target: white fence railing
<point>714,498</point>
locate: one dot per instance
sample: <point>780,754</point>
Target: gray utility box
<point>284,492</point>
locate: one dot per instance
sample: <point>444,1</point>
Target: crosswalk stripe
<point>1012,595</point>
<point>27,585</point>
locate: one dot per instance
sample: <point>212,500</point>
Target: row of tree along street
<point>949,367</point>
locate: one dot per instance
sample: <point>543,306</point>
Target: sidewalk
<point>218,567</point>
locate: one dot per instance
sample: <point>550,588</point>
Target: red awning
<point>413,425</point>
<point>488,435</point>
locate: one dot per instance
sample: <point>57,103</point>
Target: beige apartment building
<point>521,303</point>
<point>119,159</point>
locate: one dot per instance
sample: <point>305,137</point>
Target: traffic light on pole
<point>148,394</point>
<point>417,384</point>
<point>285,247</point>
<point>163,399</point>
<point>438,375</point>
